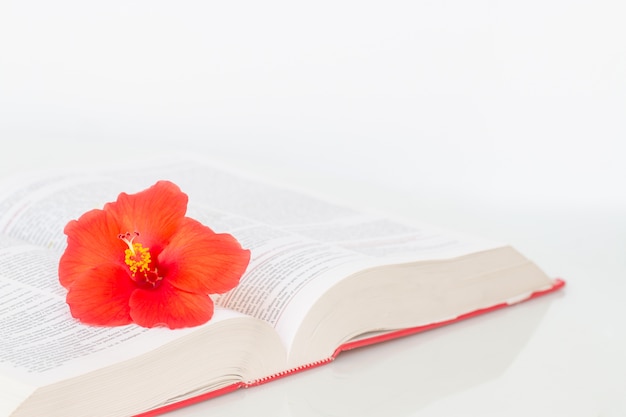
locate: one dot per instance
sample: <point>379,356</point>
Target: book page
<point>40,342</point>
<point>300,245</point>
<point>291,271</point>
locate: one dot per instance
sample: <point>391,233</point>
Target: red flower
<point>141,260</point>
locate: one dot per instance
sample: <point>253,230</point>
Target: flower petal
<point>100,296</point>
<point>91,241</point>
<point>169,306</point>
<point>199,260</point>
<point>154,212</point>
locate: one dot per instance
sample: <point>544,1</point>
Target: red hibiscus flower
<point>141,260</point>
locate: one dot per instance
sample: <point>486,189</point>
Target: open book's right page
<point>303,245</point>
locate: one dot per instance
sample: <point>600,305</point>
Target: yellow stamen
<point>137,258</point>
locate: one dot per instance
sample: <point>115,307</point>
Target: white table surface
<point>501,119</point>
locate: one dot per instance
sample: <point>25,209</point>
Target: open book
<point>322,278</point>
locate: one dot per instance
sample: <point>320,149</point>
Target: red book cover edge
<point>556,285</point>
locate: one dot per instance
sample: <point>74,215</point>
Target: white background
<point>503,119</point>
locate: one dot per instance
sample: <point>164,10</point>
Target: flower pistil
<point>138,259</point>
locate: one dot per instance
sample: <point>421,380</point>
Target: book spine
<point>288,372</point>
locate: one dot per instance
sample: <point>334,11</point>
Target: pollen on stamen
<point>136,256</point>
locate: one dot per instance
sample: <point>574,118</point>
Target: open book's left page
<point>39,340</point>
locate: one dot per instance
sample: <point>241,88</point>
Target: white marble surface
<point>495,118</point>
